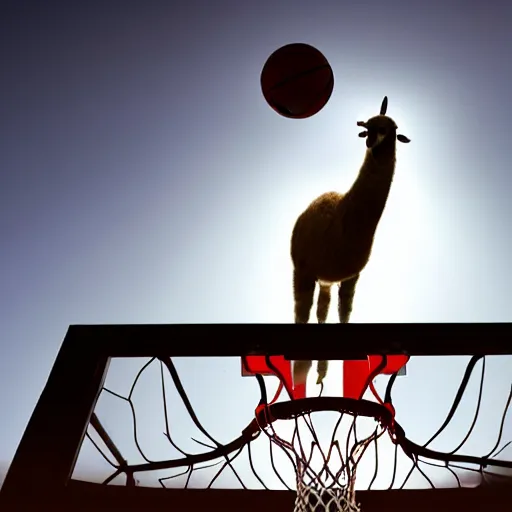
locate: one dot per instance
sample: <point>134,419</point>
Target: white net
<point>312,498</point>
<point>325,456</point>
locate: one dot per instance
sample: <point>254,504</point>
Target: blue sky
<point>143,179</point>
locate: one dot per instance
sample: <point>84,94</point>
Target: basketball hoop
<point>326,471</point>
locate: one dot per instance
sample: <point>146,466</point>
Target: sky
<point>143,178</point>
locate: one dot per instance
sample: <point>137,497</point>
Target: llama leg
<point>322,308</point>
<point>303,291</point>
<point>346,298</point>
<point>300,374</point>
<point>322,305</point>
<point>321,370</point>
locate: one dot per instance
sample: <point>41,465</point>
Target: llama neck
<point>365,201</point>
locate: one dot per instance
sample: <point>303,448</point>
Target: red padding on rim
<point>258,365</point>
<point>356,373</point>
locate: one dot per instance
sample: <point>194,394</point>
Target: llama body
<point>332,239</point>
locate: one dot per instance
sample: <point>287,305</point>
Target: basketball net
<point>325,463</point>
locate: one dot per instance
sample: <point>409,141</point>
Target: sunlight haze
<point>145,180</point>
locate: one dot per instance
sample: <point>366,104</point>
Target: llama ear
<point>384,106</point>
<point>403,138</point>
<point>363,134</point>
<point>361,123</point>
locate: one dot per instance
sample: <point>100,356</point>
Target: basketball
<point>297,81</point>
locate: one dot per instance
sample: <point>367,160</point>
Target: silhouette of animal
<point>332,239</point>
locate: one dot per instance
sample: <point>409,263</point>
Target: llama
<point>332,239</point>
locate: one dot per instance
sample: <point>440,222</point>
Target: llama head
<point>380,128</point>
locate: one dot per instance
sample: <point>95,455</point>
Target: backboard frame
<point>43,464</point>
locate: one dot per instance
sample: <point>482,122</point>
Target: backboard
<point>156,416</point>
